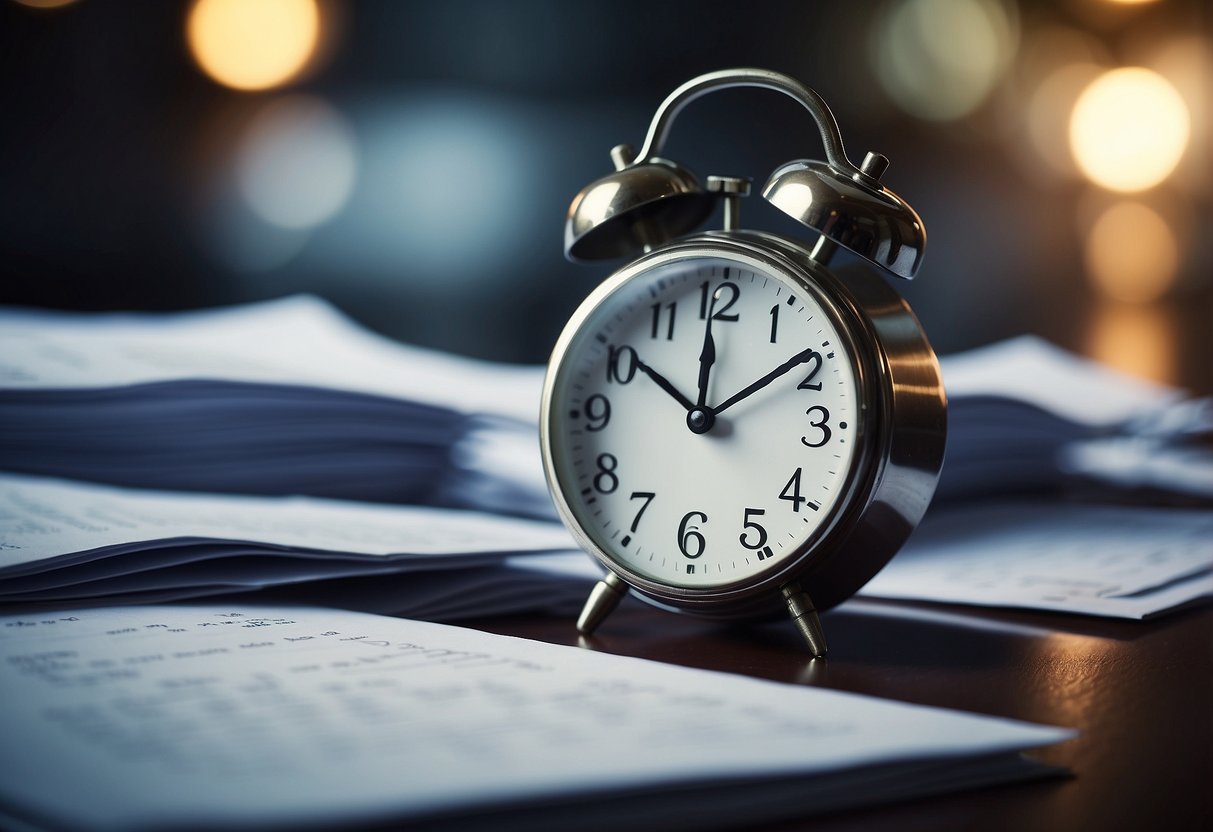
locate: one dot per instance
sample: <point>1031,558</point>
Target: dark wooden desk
<point>1140,693</point>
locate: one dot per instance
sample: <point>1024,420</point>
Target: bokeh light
<point>1132,253</point>
<point>1187,62</point>
<point>940,59</point>
<point>45,4</point>
<point>297,162</point>
<point>1136,339</point>
<point>447,192</point>
<point>253,44</point>
<point>1129,129</point>
<point>1048,115</point>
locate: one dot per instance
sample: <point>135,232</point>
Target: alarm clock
<point>729,426</point>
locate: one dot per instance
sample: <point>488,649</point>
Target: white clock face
<point>703,422</point>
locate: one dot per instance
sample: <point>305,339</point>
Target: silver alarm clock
<point>728,425</point>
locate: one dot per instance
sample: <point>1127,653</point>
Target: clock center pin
<point>700,420</point>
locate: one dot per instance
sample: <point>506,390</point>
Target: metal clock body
<point>728,426</point>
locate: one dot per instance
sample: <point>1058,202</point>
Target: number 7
<point>647,496</point>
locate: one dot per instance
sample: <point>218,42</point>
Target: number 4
<point>791,491</point>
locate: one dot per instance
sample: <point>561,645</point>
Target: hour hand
<point>664,384</point>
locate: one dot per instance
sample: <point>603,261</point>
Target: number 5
<point>748,524</point>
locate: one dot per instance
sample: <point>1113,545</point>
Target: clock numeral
<point>597,412</point>
<point>774,321</point>
<point>622,363</point>
<point>689,536</point>
<point>647,496</point>
<point>723,289</point>
<point>671,307</point>
<point>749,524</point>
<point>815,360</point>
<point>821,425</point>
<point>791,491</point>
<point>605,481</point>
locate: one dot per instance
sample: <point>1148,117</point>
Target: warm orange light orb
<point>253,44</point>
<point>1132,254</point>
<point>1129,129</point>
<point>45,4</point>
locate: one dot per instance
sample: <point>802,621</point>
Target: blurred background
<point>412,162</point>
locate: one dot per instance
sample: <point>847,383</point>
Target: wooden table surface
<point>1140,693</point>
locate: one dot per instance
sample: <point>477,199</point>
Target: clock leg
<point>804,616</point>
<point>604,597</point>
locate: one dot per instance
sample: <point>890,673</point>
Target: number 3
<point>820,424</point>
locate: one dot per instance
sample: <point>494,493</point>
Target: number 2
<point>808,383</point>
<point>721,314</point>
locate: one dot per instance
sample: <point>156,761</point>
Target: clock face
<point>703,421</point>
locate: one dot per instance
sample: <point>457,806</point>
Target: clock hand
<point>795,360</point>
<point>707,356</point>
<point>664,384</point>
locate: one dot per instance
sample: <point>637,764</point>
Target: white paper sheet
<point>1029,369</point>
<point>1109,560</point>
<point>43,518</point>
<point>212,717</point>
<point>81,544</point>
<point>297,340</point>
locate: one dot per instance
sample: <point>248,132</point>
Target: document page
<point>1031,370</point>
<point>43,518</point>
<point>296,340</point>
<point>66,542</point>
<point>1110,560</point>
<point>211,716</point>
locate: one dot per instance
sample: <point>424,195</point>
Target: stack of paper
<point>286,397</point>
<point>70,543</point>
<point>67,544</point>
<point>1014,408</point>
<point>1168,451</point>
<point>286,718</point>
<point>1120,561</point>
<point>290,397</point>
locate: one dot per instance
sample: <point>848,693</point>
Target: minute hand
<point>796,360</point>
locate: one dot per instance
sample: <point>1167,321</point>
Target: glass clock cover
<point>705,421</point>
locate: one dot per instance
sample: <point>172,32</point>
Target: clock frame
<point>649,208</point>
